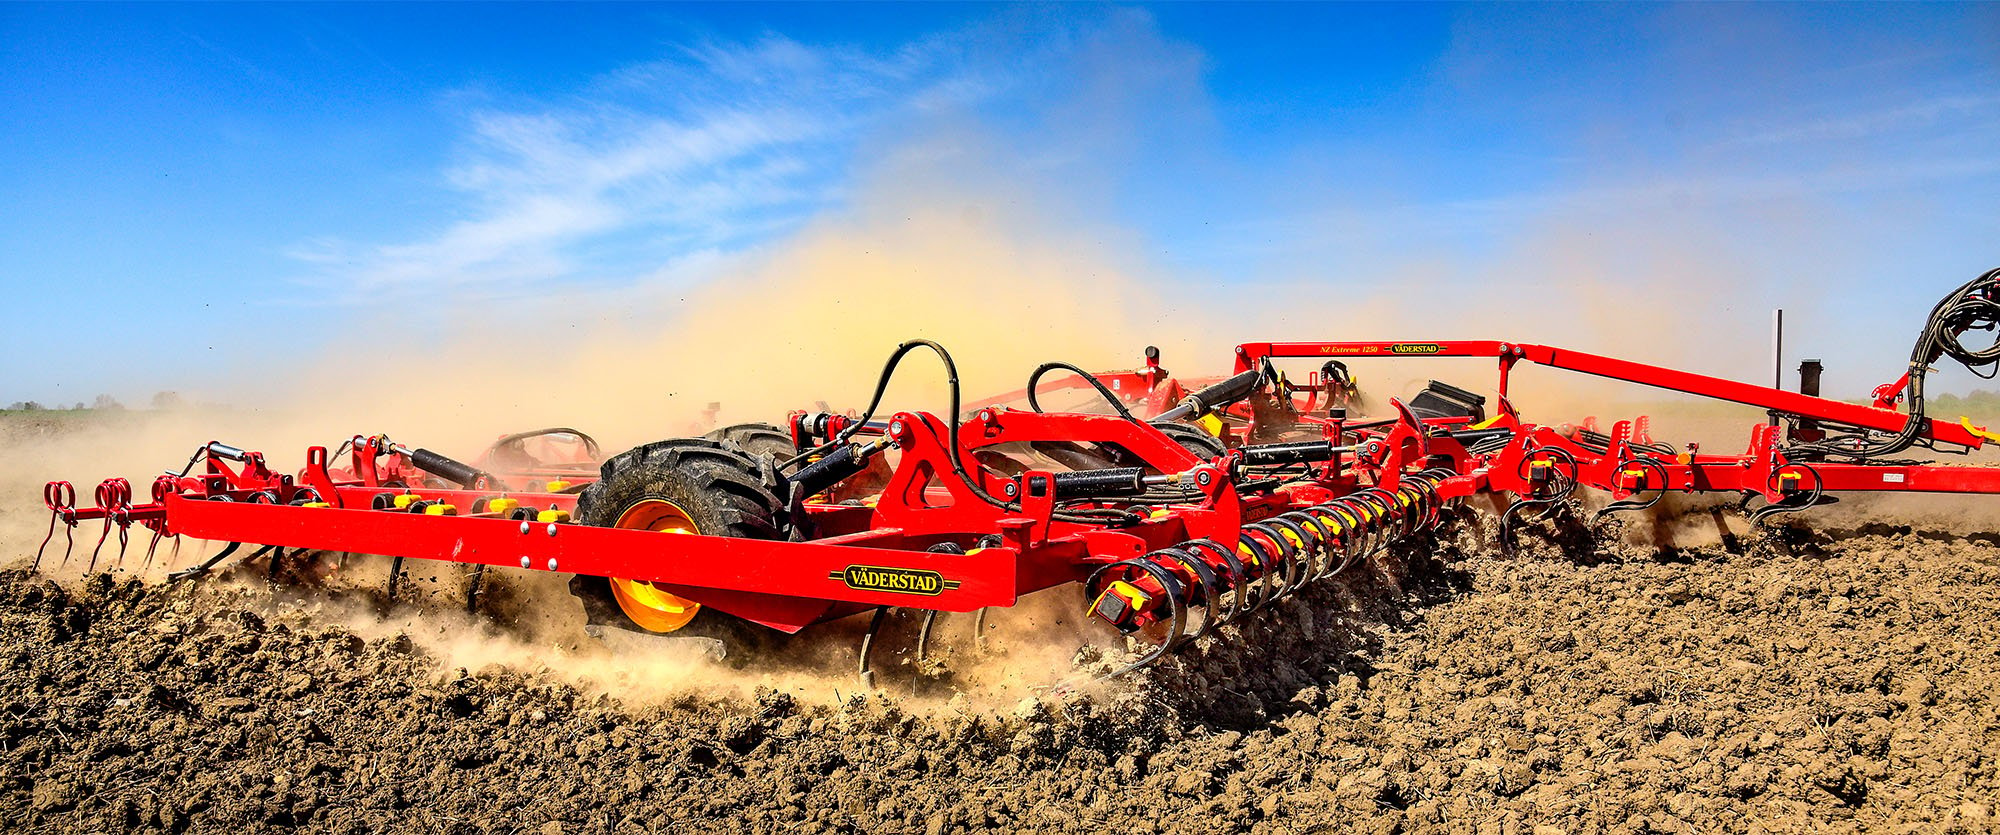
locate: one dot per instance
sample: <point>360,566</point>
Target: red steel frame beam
<point>1249,355</point>
<point>801,569</point>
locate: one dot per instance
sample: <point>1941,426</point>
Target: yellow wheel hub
<point>652,608</point>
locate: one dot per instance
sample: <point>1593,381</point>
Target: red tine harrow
<point>1171,532</point>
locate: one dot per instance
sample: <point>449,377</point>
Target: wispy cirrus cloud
<point>711,149</point>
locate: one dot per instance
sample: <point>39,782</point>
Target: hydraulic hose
<point>1973,306</point>
<point>1088,377</point>
<point>1214,397</point>
<point>1107,516</point>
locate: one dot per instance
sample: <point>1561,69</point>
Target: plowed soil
<point>1828,680</point>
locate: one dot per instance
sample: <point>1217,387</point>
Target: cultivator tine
<point>114,497</point>
<point>474,586</point>
<point>1642,470</point>
<point>206,565</point>
<point>395,577</point>
<point>1551,474</point>
<point>150,548</point>
<point>1794,498</point>
<point>924,633</point>
<point>101,535</point>
<point>1512,516</point>
<point>929,627</point>
<point>1790,504</point>
<point>45,544</point>
<point>866,675</point>
<point>60,498</point>
<point>53,518</point>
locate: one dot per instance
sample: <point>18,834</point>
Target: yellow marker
<point>317,504</point>
<point>1210,424</point>
<point>552,516</point>
<point>440,510</point>
<point>1486,424</point>
<point>502,505</point>
<point>1131,593</point>
<point>1977,431</point>
<point>1126,594</point>
<point>557,486</point>
<point>403,501</point>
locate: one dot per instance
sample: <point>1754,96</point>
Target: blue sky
<point>194,195</point>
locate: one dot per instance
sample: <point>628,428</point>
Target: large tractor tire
<point>684,486</point>
<point>1193,439</point>
<point>762,440</point>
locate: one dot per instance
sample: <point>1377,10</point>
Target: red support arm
<point>1249,355</point>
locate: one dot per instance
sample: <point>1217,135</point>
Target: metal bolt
<point>896,428</point>
<point>986,415</point>
<point>1202,478</point>
<point>525,562</point>
<point>552,563</point>
<point>552,529</point>
<point>1012,488</point>
<point>524,530</point>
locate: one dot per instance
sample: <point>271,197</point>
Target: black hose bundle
<point>1094,516</point>
<point>1973,306</point>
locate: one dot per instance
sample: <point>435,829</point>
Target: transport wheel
<point>677,487</point>
<point>759,439</point>
<point>1192,439</point>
